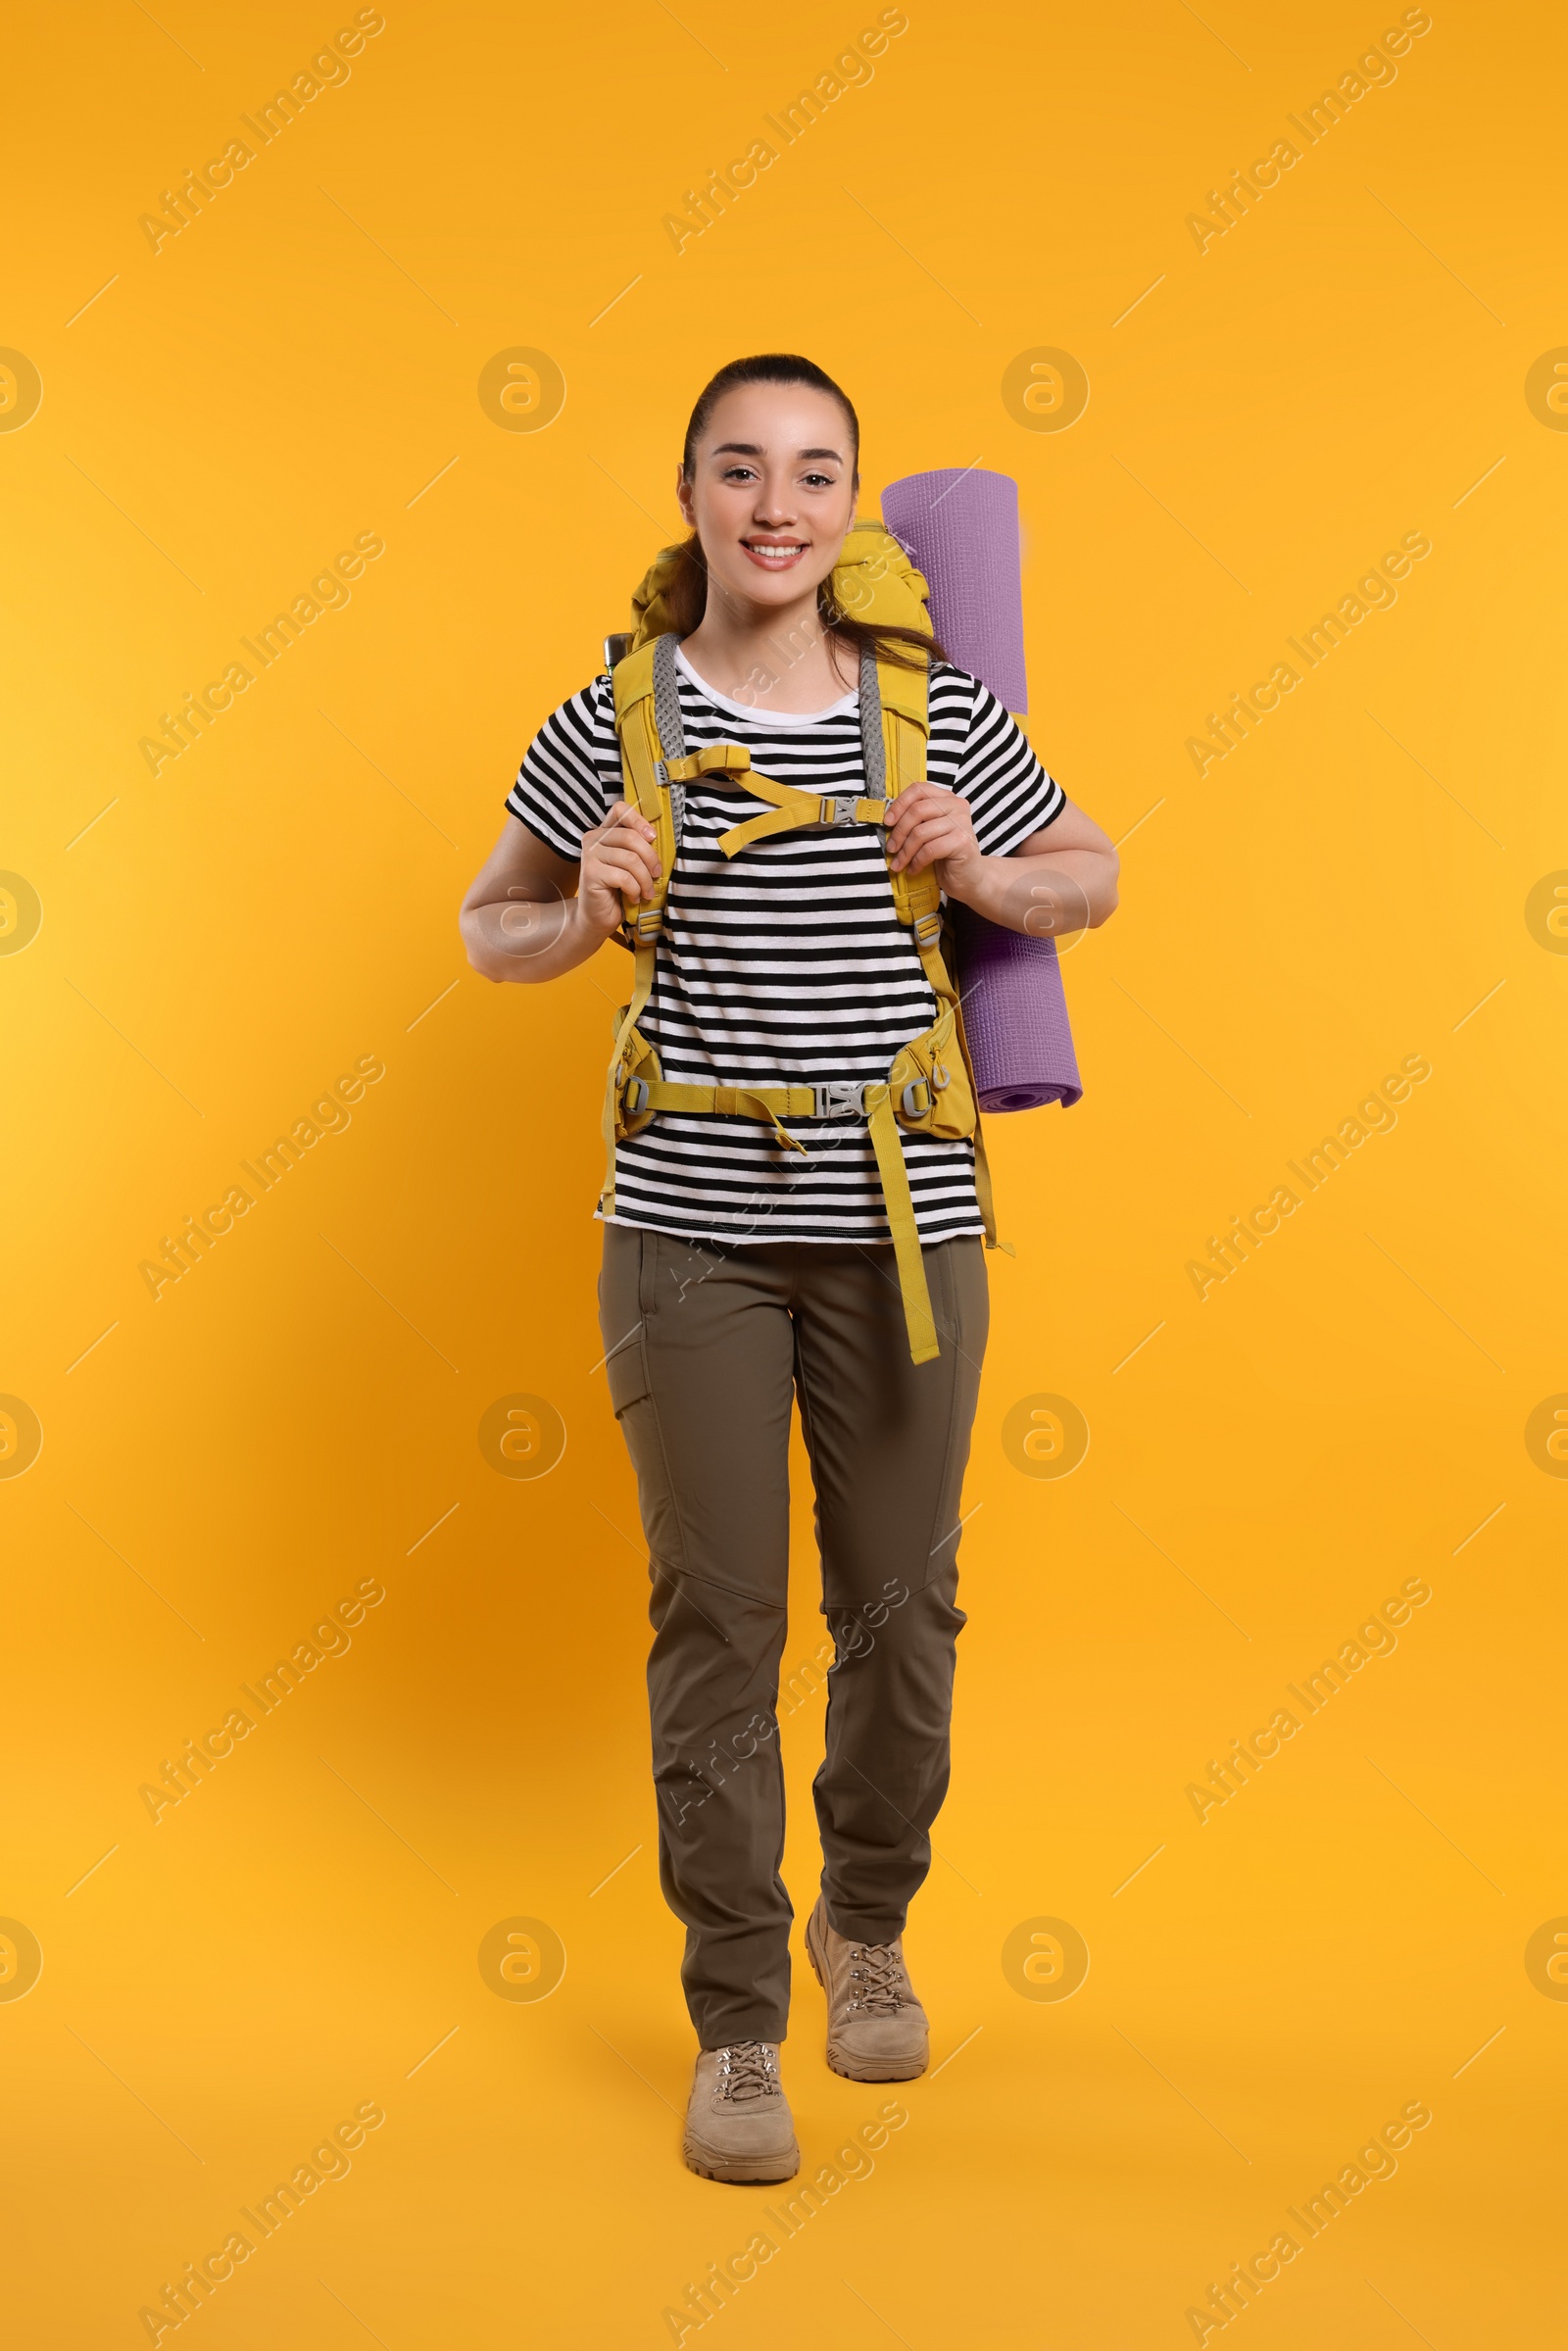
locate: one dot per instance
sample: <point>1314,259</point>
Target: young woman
<point>739,1272</point>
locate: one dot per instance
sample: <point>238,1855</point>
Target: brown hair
<point>686,595</point>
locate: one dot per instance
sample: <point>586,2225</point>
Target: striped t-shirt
<point>786,964</point>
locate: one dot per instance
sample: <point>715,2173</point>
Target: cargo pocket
<point>631,1394</point>
<point>626,1369</point>
<point>624,1284</point>
<point>962,1305</point>
<point>626,1303</point>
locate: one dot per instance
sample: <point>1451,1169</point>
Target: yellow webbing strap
<point>792,807</point>
<point>789,807</point>
<point>900,1207</point>
<point>769,1104</point>
<point>642,989</point>
<point>982,1189</point>
<point>715,758</point>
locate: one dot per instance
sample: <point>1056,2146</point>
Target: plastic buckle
<point>928,929</point>
<point>912,1109</point>
<point>838,809</point>
<point>839,1099</point>
<point>649,922</point>
<point>635,1095</point>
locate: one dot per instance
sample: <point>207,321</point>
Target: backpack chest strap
<point>789,807</point>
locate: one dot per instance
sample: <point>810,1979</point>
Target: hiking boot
<point>876,2027</point>
<point>738,2121</point>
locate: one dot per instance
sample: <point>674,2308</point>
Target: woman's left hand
<point>933,826</point>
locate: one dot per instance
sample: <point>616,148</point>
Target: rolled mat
<point>961,529</point>
<point>1014,1016</point>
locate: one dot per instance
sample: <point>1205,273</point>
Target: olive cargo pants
<point>706,1344</point>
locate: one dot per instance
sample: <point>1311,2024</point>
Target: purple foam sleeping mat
<point>962,531</point>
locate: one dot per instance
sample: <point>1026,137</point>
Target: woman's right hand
<point>618,855</point>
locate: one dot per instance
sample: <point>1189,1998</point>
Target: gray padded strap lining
<point>666,698</point>
<point>871,744</point>
<point>672,726</point>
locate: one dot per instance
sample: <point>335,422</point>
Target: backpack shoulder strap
<point>649,725</point>
<point>666,697</point>
<point>894,729</point>
<point>648,721</point>
<point>671,725</point>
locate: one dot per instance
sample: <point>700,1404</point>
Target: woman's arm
<point>530,914</point>
<point>1059,880</point>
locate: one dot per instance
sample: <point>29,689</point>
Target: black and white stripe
<point>785,964</point>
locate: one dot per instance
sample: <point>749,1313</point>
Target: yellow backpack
<point>929,1089</point>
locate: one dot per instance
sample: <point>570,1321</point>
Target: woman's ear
<point>683,496</point>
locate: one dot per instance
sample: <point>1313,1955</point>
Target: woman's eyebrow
<point>751,449</point>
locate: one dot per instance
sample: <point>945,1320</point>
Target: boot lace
<point>877,1972</point>
<point>747,2070</point>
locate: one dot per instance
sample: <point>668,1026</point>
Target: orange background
<point>300,1413</point>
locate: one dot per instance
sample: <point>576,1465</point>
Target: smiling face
<point>771,493</point>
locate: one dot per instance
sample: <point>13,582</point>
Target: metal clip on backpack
<point>929,1089</point>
